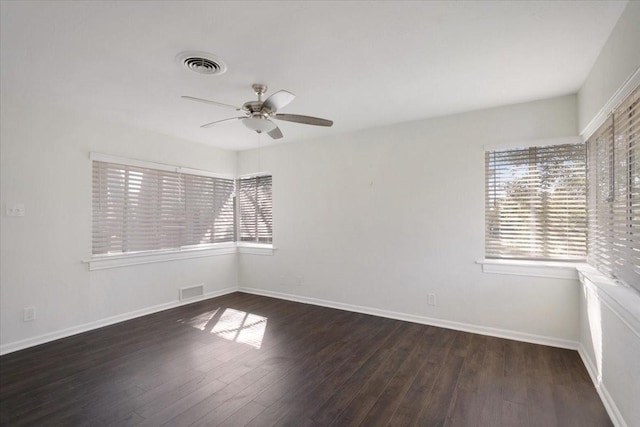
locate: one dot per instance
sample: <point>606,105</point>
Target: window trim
<point>100,157</point>
<point>622,299</point>
<point>533,143</point>
<point>102,262</point>
<point>549,269</point>
<point>253,248</point>
<point>620,95</point>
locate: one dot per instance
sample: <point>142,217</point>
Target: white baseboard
<point>52,336</point>
<point>607,400</point>
<point>449,324</point>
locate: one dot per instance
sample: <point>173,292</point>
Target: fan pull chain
<point>259,151</point>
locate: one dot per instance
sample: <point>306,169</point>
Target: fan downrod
<point>259,90</point>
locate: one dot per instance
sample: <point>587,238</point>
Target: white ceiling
<point>362,64</point>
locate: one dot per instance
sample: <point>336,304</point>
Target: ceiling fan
<point>257,115</point>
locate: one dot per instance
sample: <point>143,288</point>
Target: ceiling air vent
<point>201,62</point>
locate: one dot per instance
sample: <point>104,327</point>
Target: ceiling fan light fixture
<point>259,125</point>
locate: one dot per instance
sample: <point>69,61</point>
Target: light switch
<point>15,210</point>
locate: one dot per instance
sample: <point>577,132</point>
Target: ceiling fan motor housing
<point>252,107</point>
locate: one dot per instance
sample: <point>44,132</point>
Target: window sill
<point>551,269</point>
<point>255,248</point>
<point>114,261</point>
<point>622,300</point>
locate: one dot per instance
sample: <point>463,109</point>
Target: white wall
<point>618,60</point>
<point>381,218</point>
<point>610,345</point>
<point>45,165</point>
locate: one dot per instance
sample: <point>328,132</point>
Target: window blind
<point>141,209</point>
<point>535,205</point>
<point>614,193</point>
<point>255,209</point>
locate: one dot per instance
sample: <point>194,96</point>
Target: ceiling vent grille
<point>201,63</point>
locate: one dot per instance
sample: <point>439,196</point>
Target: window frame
<point>247,245</point>
<point>105,261</point>
<point>614,235</point>
<point>543,267</point>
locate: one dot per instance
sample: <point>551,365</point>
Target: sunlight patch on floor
<point>202,320</point>
<point>230,324</point>
<point>240,326</point>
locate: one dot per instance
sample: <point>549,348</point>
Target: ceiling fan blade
<point>307,120</point>
<point>206,101</point>
<point>208,125</point>
<point>278,100</point>
<point>275,133</point>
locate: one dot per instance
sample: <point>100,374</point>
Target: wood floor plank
<point>541,410</point>
<point>389,399</point>
<point>514,387</point>
<point>513,414</point>
<point>304,366</point>
<point>350,388</point>
<point>491,382</point>
<point>464,409</point>
<point>203,408</point>
<point>414,401</point>
<point>471,372</point>
<point>151,403</point>
<point>235,402</point>
<point>306,393</point>
<point>434,410</point>
<point>367,396</point>
<point>183,404</point>
<point>243,416</point>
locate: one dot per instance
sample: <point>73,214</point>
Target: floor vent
<point>191,292</point>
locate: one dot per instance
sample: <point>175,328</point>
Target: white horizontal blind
<point>255,209</point>
<point>209,209</point>
<point>600,193</point>
<point>614,193</point>
<point>535,205</point>
<point>141,209</point>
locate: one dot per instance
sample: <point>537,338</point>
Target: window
<point>535,207</point>
<point>613,169</point>
<point>138,208</point>
<point>254,209</point>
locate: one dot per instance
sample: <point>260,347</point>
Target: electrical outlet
<point>29,314</point>
<point>14,210</point>
<point>431,299</point>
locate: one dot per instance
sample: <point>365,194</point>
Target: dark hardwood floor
<point>249,360</point>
